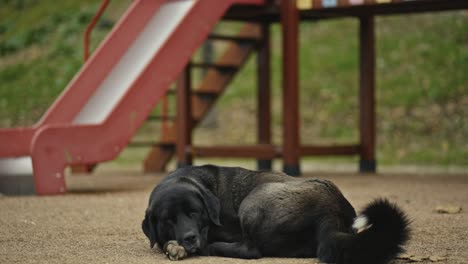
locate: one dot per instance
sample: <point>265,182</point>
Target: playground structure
<point>151,47</point>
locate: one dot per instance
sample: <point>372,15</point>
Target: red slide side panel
<point>57,146</point>
<point>17,141</point>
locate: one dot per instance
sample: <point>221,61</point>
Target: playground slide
<point>114,92</point>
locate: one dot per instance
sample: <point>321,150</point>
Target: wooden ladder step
<point>218,76</point>
<point>238,39</point>
<point>199,92</point>
<point>206,94</point>
<point>220,67</point>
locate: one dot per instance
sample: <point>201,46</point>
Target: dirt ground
<point>99,220</point>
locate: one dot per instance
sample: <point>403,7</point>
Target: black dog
<point>234,212</point>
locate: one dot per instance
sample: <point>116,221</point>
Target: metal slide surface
<point>111,96</point>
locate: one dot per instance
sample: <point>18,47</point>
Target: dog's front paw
<point>174,251</point>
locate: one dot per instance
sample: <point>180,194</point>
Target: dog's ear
<point>149,227</point>
<point>211,203</point>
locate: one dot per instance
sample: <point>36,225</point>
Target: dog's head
<point>181,211</point>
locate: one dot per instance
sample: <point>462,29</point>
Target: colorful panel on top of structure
<point>116,89</point>
<point>317,9</point>
<point>310,4</point>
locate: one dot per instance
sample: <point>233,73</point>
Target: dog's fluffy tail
<point>380,232</point>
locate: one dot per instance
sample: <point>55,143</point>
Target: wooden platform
<point>289,13</point>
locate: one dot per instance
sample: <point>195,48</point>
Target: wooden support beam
<point>268,151</point>
<point>367,125</point>
<point>290,28</point>
<point>257,151</point>
<point>330,150</point>
<point>264,94</point>
<point>184,119</point>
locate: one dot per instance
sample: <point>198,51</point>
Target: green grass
<point>422,85</point>
<point>41,50</point>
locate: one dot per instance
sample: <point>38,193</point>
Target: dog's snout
<point>191,242</point>
<point>190,238</point>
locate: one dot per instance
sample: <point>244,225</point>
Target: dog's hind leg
<point>233,250</point>
<point>334,242</point>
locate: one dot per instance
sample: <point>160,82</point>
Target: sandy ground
<point>99,220</point>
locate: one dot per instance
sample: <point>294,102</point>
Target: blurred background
<point>422,80</point>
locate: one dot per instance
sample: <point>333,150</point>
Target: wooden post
<point>264,93</point>
<point>367,125</point>
<point>291,144</point>
<point>184,119</point>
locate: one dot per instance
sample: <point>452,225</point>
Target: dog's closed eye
<point>194,214</point>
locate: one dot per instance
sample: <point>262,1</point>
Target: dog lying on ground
<point>239,213</point>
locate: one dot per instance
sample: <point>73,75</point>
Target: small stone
<point>417,258</point>
<point>437,258</point>
<point>448,209</point>
<point>412,258</point>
